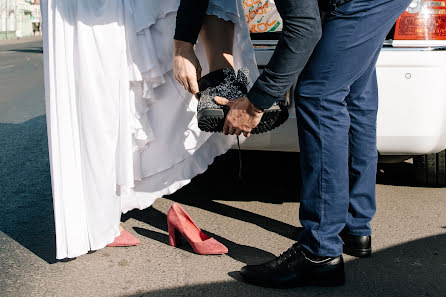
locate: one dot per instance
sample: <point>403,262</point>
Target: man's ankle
<point>314,257</point>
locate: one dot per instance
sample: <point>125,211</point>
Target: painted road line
<point>6,67</point>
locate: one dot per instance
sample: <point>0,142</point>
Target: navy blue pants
<point>337,103</point>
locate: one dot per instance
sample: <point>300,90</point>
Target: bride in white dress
<point>122,132</point>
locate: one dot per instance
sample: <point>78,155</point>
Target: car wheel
<point>430,170</point>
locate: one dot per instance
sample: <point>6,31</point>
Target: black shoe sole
<point>212,120</point>
<point>359,253</point>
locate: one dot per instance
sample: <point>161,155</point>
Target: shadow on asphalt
<point>268,177</point>
<point>239,252</point>
<point>398,174</point>
<point>26,212</point>
<point>153,217</point>
<point>34,50</point>
<point>416,268</point>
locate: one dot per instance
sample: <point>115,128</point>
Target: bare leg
<point>218,38</point>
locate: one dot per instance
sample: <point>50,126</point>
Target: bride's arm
<point>186,67</point>
<point>189,19</point>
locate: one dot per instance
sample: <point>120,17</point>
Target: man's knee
<point>316,33</point>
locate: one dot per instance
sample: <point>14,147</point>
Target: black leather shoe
<point>357,246</point>
<point>296,267</point>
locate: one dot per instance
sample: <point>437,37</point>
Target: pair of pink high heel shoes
<point>179,224</point>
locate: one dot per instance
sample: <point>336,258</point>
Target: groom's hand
<point>243,116</point>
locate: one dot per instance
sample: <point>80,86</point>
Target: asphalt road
<point>256,219</point>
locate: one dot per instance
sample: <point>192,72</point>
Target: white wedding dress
<point>121,131</point>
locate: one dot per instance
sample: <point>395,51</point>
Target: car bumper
<point>412,105</point>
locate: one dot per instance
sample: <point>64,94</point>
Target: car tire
<point>430,170</point>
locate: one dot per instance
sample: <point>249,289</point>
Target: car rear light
<point>422,24</point>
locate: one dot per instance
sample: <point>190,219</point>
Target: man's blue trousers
<point>337,103</point>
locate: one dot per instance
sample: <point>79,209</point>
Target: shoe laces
<point>241,80</point>
<point>290,253</point>
<point>233,86</point>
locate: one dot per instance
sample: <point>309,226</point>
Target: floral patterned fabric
<point>262,16</point>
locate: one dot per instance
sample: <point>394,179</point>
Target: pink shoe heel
<point>180,224</point>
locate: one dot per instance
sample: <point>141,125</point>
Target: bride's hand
<point>186,67</point>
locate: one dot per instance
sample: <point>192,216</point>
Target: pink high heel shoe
<point>179,223</point>
<point>125,239</point>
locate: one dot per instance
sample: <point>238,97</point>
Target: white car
<point>412,94</point>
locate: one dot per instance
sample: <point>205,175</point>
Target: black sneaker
<point>225,83</point>
<point>296,267</point>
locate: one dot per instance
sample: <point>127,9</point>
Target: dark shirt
<point>300,34</point>
<point>189,19</point>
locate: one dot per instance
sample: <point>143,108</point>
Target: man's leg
<point>351,40</point>
<point>328,128</point>
<point>362,105</point>
<point>335,122</point>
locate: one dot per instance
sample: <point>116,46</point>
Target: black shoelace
<point>240,163</point>
<point>287,254</point>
